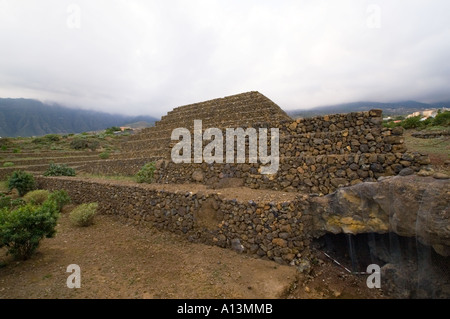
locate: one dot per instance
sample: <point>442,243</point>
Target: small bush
<point>104,155</point>
<point>59,170</point>
<point>82,144</point>
<point>17,203</point>
<point>94,145</point>
<point>61,198</point>
<point>5,201</point>
<point>8,164</point>
<point>22,229</point>
<point>4,147</point>
<point>146,174</point>
<point>79,144</point>
<point>112,129</point>
<point>391,124</point>
<point>16,150</point>
<point>38,140</point>
<point>37,197</point>
<point>84,214</point>
<point>9,203</point>
<point>442,119</point>
<point>428,122</point>
<point>52,137</point>
<point>412,122</point>
<point>22,181</point>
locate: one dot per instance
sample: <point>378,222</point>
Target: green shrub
<point>112,129</point>
<point>412,122</point>
<point>52,137</point>
<point>59,170</point>
<point>82,144</point>
<point>104,155</point>
<point>93,145</point>
<point>37,197</point>
<point>9,203</point>
<point>61,198</point>
<point>84,214</point>
<point>5,201</point>
<point>428,122</point>
<point>16,150</point>
<point>22,229</point>
<point>22,181</point>
<point>146,174</point>
<point>390,124</point>
<point>38,140</point>
<point>17,202</point>
<point>442,119</point>
<point>79,144</point>
<point>8,164</point>
<point>4,147</point>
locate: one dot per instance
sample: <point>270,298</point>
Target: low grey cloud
<point>146,57</point>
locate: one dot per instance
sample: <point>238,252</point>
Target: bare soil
<point>119,260</point>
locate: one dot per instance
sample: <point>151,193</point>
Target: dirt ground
<point>120,261</point>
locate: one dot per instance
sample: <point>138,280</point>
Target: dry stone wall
<point>317,155</point>
<point>275,230</point>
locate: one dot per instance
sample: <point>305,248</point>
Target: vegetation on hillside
<point>59,170</point>
<point>102,141</point>
<point>442,120</point>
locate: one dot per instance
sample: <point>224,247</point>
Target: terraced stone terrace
<point>230,204</point>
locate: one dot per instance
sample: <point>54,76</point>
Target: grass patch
<point>437,149</point>
<point>428,145</point>
<point>437,128</point>
<point>104,155</point>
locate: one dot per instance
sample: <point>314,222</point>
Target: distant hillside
<point>399,108</point>
<point>25,117</point>
<point>139,125</point>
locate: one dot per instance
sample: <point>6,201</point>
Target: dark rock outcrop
<point>408,206</point>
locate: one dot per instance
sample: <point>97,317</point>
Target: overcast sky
<point>147,57</point>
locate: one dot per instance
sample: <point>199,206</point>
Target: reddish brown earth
<point>118,260</point>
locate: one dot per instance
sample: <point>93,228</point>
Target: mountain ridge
<point>394,108</point>
<point>29,117</point>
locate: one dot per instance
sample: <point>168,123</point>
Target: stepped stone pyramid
<point>241,110</point>
<point>316,155</point>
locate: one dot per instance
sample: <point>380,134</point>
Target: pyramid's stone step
<point>46,154</point>
<point>48,160</point>
<point>227,112</point>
